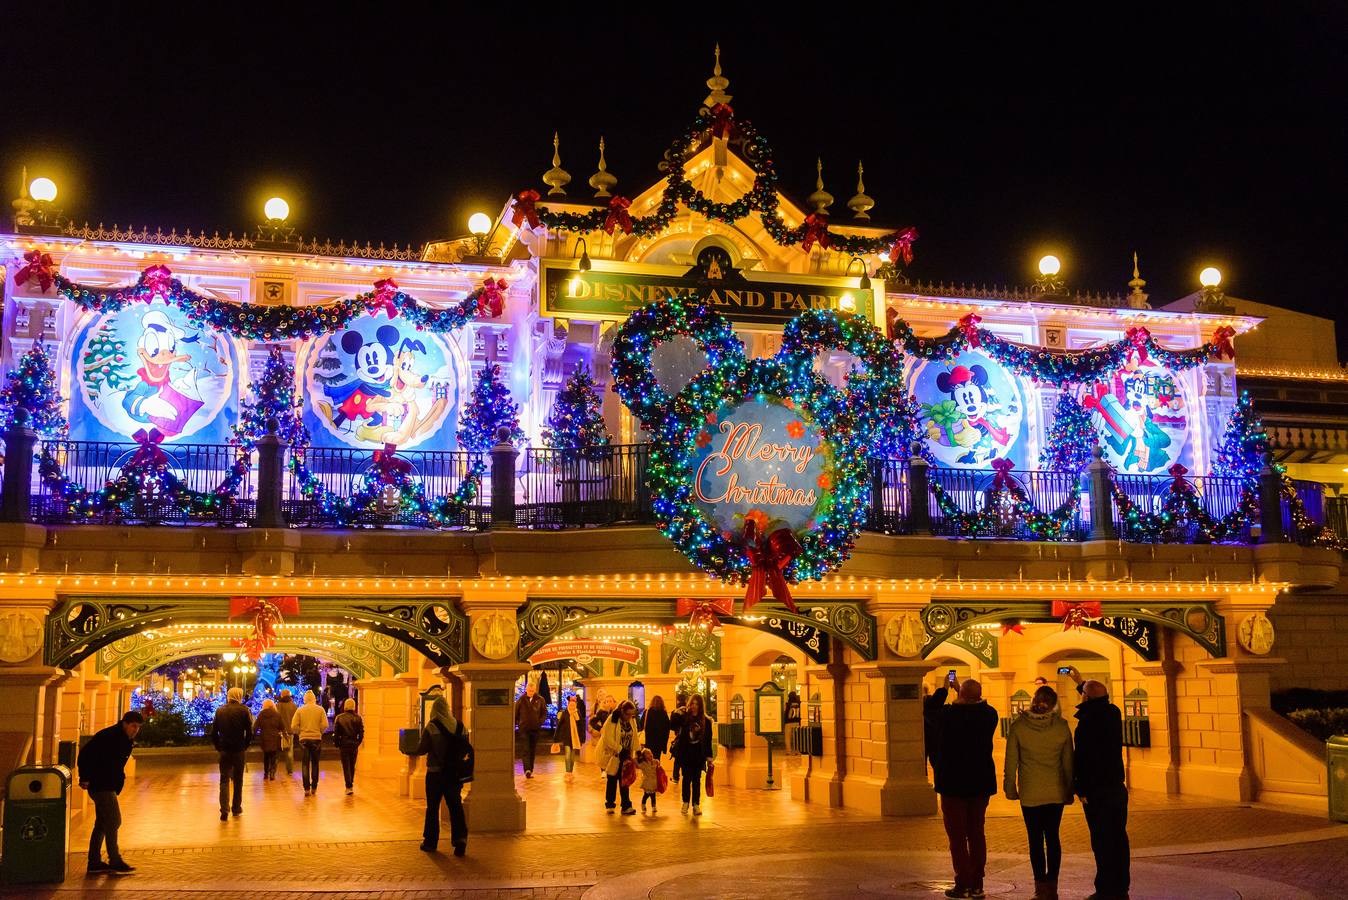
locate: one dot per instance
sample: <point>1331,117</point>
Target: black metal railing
<point>973,491</point>
<point>1219,497</point>
<point>570,489</point>
<point>889,496</point>
<point>340,473</point>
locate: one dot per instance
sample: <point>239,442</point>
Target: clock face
<point>1255,634</point>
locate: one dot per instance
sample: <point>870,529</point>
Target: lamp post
<point>275,233</point>
<point>35,210</point>
<point>479,226</point>
<point>1211,299</point>
<point>1050,279</point>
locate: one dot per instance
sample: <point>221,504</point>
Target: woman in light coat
<point>1038,773</point>
<point>618,744</point>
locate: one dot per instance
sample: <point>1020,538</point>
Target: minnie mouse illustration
<point>970,417</point>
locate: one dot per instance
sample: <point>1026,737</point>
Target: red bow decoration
<point>525,209</point>
<point>1139,336</point>
<point>156,280</point>
<point>903,246</point>
<point>388,465</point>
<point>1008,627</point>
<point>968,326</point>
<point>704,613</point>
<point>385,289</point>
<point>722,121</point>
<point>39,266</point>
<point>617,215</point>
<point>1221,338</point>
<point>1178,472</point>
<point>491,301</point>
<point>267,613</point>
<point>769,557</point>
<point>1001,479</point>
<point>149,453</point>
<point>1074,614</point>
<point>816,229</point>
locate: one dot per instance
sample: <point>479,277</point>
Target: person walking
<point>449,764</point>
<point>570,734</point>
<point>269,728</point>
<point>231,732</point>
<point>530,714</point>
<point>348,733</point>
<point>102,773</point>
<point>1038,773</point>
<point>965,778</point>
<point>648,769</point>
<point>1098,779</point>
<point>656,728</point>
<point>618,745</point>
<point>285,708</point>
<point>311,720</point>
<point>693,750</point>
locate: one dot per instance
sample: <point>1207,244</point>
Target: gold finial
<point>717,83</point>
<point>821,199</point>
<point>602,180</point>
<point>1138,298</point>
<point>23,204</point>
<point>860,204</point>
<point>556,178</point>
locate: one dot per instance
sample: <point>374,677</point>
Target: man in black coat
<point>1098,779</point>
<point>102,768</point>
<point>231,732</point>
<point>965,778</point>
<point>530,714</point>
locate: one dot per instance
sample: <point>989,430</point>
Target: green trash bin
<point>37,825</point>
<point>1336,755</point>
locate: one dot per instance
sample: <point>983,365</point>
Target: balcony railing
<point>343,472</point>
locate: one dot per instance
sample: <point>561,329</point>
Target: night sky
<point>1197,137</point>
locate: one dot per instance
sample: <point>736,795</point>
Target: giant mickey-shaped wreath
<point>802,442</point>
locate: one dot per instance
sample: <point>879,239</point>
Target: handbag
<point>661,779</point>
<point>629,773</point>
<point>711,788</point>
<point>556,747</point>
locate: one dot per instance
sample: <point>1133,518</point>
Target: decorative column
<point>17,486</point>
<point>30,695</point>
<point>823,783</point>
<point>888,765</point>
<point>1159,769</point>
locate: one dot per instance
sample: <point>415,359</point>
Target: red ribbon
<point>903,246</point>
<point>617,215</point>
<point>1008,627</point>
<point>1178,472</point>
<point>492,301</point>
<point>769,557</point>
<point>1139,336</point>
<point>1001,480</point>
<point>156,280</point>
<point>524,209</point>
<point>968,326</point>
<point>388,465</point>
<point>704,613</point>
<point>816,229</point>
<point>722,121</point>
<point>1074,614</point>
<point>267,613</point>
<point>1221,339</point>
<point>149,453</point>
<point>385,289</point>
<point>39,266</point>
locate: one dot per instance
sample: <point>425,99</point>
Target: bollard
<point>270,450</point>
<point>1103,527</point>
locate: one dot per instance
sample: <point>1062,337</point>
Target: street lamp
<point>1211,299</point>
<point>43,190</point>
<point>1050,280</point>
<point>36,208</point>
<point>479,226</point>
<point>1210,277</point>
<point>275,230</point>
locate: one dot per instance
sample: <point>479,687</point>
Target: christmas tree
<point>1244,443</point>
<point>329,367</point>
<point>105,362</point>
<point>33,386</point>
<point>575,424</point>
<point>490,408</point>
<point>273,398</point>
<point>1071,437</point>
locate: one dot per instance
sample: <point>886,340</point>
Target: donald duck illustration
<point>158,400</point>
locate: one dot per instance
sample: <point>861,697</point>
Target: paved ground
<point>748,844</point>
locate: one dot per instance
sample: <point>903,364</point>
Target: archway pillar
<point>1157,768</point>
<point>887,768</point>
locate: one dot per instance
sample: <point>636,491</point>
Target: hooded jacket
<point>286,710</point>
<point>1038,767</point>
<point>1098,763</point>
<point>311,720</point>
<point>231,730</point>
<point>445,745</point>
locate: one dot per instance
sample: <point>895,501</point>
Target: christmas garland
<point>719,124</point>
<point>406,495</point>
<point>1321,535</point>
<point>1045,526</point>
<point>1182,505</point>
<point>262,322</point>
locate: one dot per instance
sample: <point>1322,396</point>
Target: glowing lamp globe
<point>277,210</point>
<point>479,223</point>
<point>43,190</point>
<point>1210,277</point>
<point>1049,265</point>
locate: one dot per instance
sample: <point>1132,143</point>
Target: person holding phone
<point>966,778</point>
<point>1038,773</point>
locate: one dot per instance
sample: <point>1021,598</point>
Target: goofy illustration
<point>1127,423</point>
<point>405,420</point>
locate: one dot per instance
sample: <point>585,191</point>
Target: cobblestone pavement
<point>749,844</point>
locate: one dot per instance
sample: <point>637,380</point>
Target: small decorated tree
<point>273,398</point>
<point>33,386</point>
<point>1071,437</point>
<point>1244,443</point>
<point>574,424</point>
<point>490,408</point>
<point>105,363</point>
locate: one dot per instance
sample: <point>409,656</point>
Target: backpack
<point>459,752</point>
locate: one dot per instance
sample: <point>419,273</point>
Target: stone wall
<point>1312,635</point>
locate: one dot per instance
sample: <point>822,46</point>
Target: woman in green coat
<point>1038,773</point>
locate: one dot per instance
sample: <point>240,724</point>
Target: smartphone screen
<point>1064,670</point>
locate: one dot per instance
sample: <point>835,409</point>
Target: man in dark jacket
<point>530,714</point>
<point>449,763</point>
<point>348,733</point>
<point>231,732</point>
<point>1098,779</point>
<point>102,768</point>
<point>965,778</point>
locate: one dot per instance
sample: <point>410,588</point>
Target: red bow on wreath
<point>267,613</point>
<point>156,280</point>
<point>388,465</point>
<point>816,229</point>
<point>704,613</point>
<point>722,121</point>
<point>617,215</point>
<point>769,557</point>
<point>968,326</point>
<point>1001,479</point>
<point>149,454</point>
<point>1139,336</point>
<point>903,246</point>
<point>491,302</point>
<point>1074,614</point>
<point>525,209</point>
<point>385,289</point>
<point>39,266</point>
<point>1222,339</point>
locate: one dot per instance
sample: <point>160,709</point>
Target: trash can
<point>1336,755</point>
<point>37,825</point>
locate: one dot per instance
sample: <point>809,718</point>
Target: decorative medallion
<point>904,635</point>
<point>20,636</point>
<point>495,635</point>
<point>1255,633</point>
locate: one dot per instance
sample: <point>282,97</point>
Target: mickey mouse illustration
<point>406,419</point>
<point>360,398</point>
<point>969,416</point>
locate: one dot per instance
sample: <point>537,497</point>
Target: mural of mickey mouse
<point>372,363</point>
<point>970,417</point>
